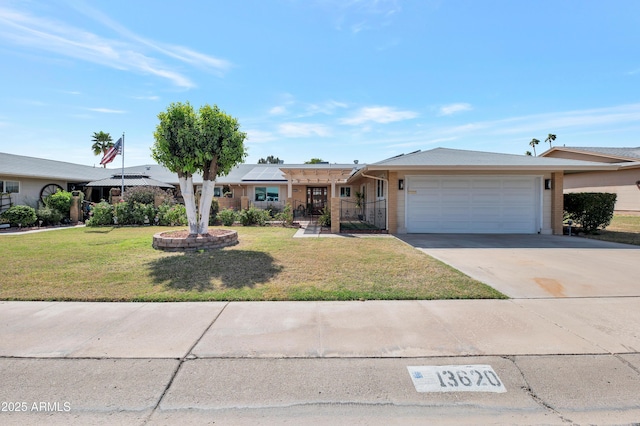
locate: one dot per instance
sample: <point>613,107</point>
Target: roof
<point>23,166</point>
<point>434,159</point>
<point>628,154</point>
<point>158,172</point>
<point>456,159</point>
<point>131,179</point>
<point>20,165</point>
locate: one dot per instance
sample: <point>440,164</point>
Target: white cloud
<point>146,98</point>
<point>582,119</point>
<point>278,110</point>
<point>107,110</point>
<point>301,130</point>
<point>131,53</point>
<point>454,108</point>
<point>378,114</point>
<point>361,15</point>
<point>327,108</point>
<point>259,136</point>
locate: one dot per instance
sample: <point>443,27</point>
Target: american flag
<point>111,154</point>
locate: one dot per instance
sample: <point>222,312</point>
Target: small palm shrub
<point>325,217</point>
<point>285,216</point>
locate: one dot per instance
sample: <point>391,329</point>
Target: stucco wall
<point>620,182</point>
<point>29,194</point>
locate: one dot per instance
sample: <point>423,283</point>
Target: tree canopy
<point>550,139</point>
<point>208,141</point>
<point>270,160</point>
<point>314,161</point>
<point>533,144</point>
<point>101,143</point>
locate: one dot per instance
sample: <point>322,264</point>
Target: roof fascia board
<point>594,167</point>
<point>586,152</point>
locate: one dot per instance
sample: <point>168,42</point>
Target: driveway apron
<point>538,266</point>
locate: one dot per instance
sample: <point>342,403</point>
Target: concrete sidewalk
<point>560,360</point>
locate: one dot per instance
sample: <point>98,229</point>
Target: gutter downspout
<point>387,209</point>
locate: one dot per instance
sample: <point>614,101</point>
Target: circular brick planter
<point>181,241</point>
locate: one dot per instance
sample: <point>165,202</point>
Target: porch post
<point>333,188</point>
<point>557,202</point>
<point>335,215</point>
<point>289,187</point>
<point>392,203</point>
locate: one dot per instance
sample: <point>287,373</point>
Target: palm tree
<point>533,144</point>
<point>101,143</point>
<point>550,139</point>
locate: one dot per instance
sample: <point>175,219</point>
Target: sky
<point>339,80</point>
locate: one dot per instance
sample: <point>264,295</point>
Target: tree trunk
<point>205,206</point>
<point>186,187</point>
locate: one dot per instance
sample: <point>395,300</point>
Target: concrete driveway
<point>539,266</point>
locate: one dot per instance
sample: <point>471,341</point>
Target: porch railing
<point>369,215</point>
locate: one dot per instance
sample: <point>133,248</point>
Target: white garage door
<point>473,204</point>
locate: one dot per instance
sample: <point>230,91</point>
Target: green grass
<point>119,264</point>
<point>623,229</point>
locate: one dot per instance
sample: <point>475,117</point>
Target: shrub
<point>325,217</point>
<point>172,215</point>
<point>60,201</point>
<point>146,194</point>
<point>227,217</point>
<point>49,216</point>
<point>20,215</point>
<point>101,215</point>
<point>254,216</point>
<point>285,216</point>
<point>590,210</point>
<point>134,213</point>
<point>215,208</point>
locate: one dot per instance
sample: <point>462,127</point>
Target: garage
<point>476,204</point>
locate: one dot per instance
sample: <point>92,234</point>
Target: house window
<point>345,191</point>
<point>380,189</point>
<point>217,191</point>
<point>267,193</point>
<point>9,186</point>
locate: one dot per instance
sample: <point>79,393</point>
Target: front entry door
<point>316,199</point>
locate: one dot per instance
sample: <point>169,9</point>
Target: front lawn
<point>623,229</point>
<point>119,264</point>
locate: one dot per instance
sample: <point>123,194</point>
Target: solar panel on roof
<point>264,173</point>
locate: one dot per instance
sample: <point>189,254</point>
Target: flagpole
<point>122,189</point>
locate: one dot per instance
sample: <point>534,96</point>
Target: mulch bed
<point>185,233</point>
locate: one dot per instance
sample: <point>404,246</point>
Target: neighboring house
<point>624,181</point>
<point>436,191</point>
<point>28,179</point>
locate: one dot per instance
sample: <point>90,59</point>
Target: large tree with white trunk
<point>187,142</point>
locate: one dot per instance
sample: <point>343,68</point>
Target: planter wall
<point>223,238</point>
